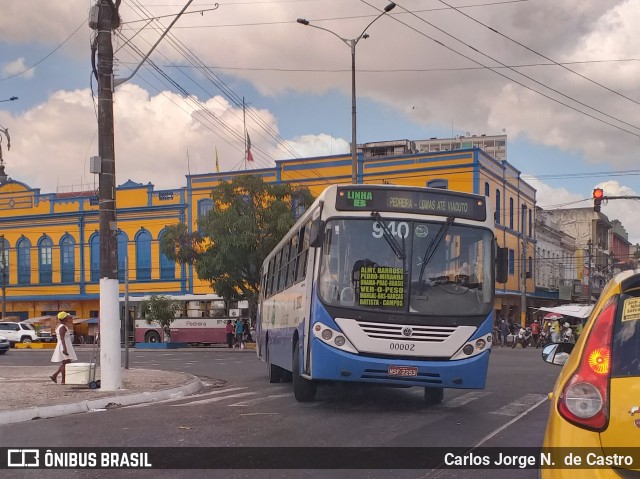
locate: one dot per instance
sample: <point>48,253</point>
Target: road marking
<point>212,400</point>
<point>259,413</point>
<point>463,399</point>
<point>517,418</point>
<point>184,398</point>
<point>251,402</point>
<point>516,407</point>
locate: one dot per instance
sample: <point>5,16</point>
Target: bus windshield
<point>415,267</point>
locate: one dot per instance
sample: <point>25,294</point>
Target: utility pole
<point>109,288</point>
<point>589,275</point>
<point>104,18</point>
<point>523,296</point>
<point>4,277</point>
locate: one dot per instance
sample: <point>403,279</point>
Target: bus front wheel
<point>152,337</point>
<point>304,390</point>
<point>433,395</point>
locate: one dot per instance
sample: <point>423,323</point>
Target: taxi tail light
<point>585,397</point>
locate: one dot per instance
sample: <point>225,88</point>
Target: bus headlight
<point>468,349</point>
<point>333,338</point>
<point>480,344</point>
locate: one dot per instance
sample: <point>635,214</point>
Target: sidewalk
<point>27,392</point>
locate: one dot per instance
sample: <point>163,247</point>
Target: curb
<point>192,386</point>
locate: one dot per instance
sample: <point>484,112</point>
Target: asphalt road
<point>240,409</point>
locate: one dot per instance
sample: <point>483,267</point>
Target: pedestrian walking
<point>239,333</point>
<point>64,352</point>
<point>229,331</point>
<point>504,332</point>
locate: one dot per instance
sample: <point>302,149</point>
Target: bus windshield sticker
<point>631,311</point>
<point>381,286</point>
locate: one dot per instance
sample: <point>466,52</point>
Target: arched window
<point>497,207</point>
<point>143,254</point>
<point>67,259</point>
<point>123,240</point>
<point>94,255</point>
<point>530,224</point>
<point>204,206</point>
<point>4,258</point>
<point>523,220</point>
<point>167,266</point>
<point>438,183</point>
<point>45,260</point>
<point>24,261</point>
<point>511,213</point>
<point>486,190</point>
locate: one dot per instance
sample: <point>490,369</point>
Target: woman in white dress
<point>64,351</point>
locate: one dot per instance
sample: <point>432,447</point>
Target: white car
<point>4,345</point>
<point>18,332</point>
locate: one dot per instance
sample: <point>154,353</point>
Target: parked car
<point>595,401</point>
<point>46,337</point>
<point>18,332</point>
<point>4,345</point>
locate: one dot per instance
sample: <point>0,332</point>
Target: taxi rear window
<point>625,352</point>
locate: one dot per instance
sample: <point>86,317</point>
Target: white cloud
<point>16,67</point>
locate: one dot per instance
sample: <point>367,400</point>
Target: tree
<point>248,219</point>
<point>161,309</point>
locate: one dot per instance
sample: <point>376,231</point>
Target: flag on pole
<point>217,163</point>
<point>249,155</point>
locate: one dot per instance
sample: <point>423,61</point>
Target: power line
<point>539,54</point>
<point>515,71</point>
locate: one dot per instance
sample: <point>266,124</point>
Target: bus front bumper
<point>332,364</point>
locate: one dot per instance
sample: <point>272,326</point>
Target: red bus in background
<point>200,320</point>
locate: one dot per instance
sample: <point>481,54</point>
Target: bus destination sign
<point>410,200</point>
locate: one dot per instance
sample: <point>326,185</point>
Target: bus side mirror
<point>316,233</point>
<point>502,265</point>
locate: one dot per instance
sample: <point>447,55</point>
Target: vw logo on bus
<point>407,331</point>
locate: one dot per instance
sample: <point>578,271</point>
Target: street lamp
<point>352,44</point>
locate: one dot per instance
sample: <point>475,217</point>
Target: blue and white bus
<point>385,284</point>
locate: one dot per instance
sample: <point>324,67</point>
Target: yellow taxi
<point>595,403</point>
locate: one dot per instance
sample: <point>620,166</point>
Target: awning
<point>575,310</point>
<point>552,317</point>
<point>38,319</point>
<point>86,321</point>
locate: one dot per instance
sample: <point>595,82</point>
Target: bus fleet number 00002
<point>401,346</point>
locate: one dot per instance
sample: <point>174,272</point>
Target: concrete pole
<point>110,375</point>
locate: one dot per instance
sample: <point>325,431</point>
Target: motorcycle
<point>543,339</point>
<point>523,337</point>
<point>567,336</point>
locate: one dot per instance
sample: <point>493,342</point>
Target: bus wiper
<point>397,249</point>
<point>433,246</point>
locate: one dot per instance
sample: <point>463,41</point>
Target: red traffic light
<point>598,193</point>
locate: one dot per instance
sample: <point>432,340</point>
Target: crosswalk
<point>276,396</point>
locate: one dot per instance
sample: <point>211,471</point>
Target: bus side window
<point>293,256</point>
<point>284,262</point>
<point>303,248</point>
<point>270,278</point>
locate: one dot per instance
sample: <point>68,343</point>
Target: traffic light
<point>598,194</point>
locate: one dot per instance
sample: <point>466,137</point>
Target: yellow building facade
<point>51,241</point>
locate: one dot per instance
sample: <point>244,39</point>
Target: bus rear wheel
<point>152,337</point>
<point>433,395</point>
<point>304,390</point>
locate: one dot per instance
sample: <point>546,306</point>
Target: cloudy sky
<point>560,78</point>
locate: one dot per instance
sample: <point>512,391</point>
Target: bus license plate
<point>403,371</point>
